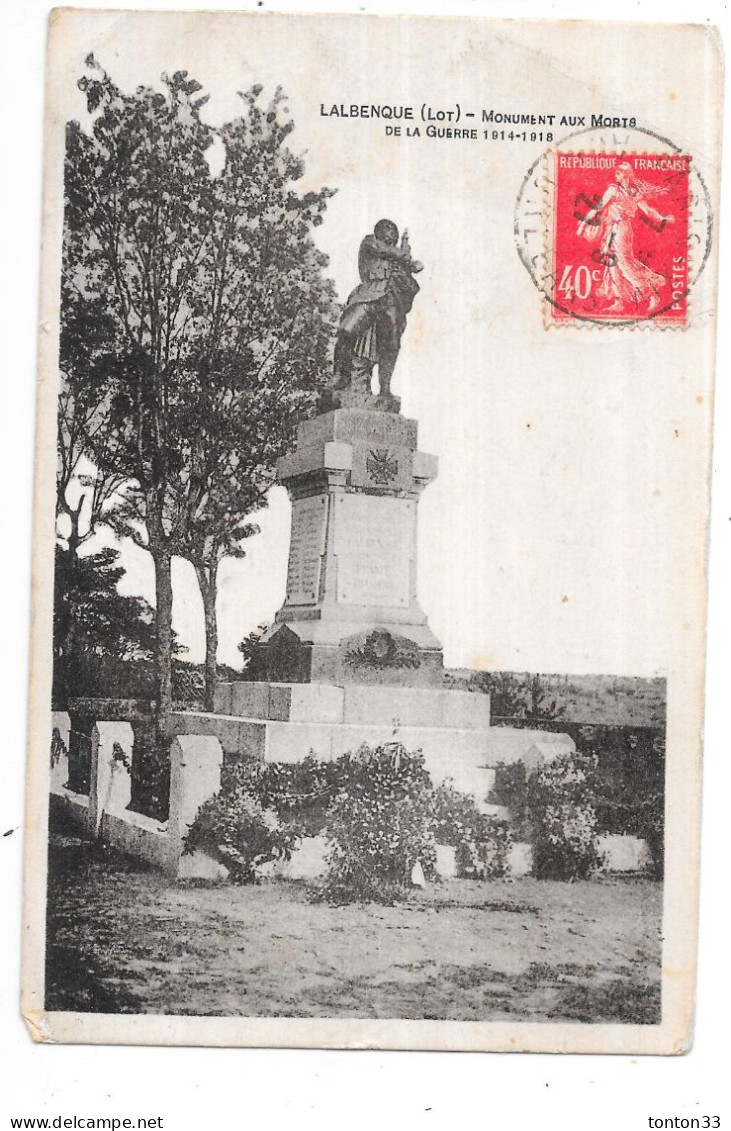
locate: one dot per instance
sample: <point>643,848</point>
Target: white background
<point>240,1088</point>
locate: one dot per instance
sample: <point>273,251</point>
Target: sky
<point>553,538</point>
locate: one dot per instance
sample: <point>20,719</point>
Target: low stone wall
<point>139,836</point>
<point>195,775</point>
<point>622,853</point>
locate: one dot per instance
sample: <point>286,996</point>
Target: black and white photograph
<point>370,534</point>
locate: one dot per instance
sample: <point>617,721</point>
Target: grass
<point>122,939</point>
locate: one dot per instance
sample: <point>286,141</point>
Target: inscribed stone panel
<point>309,524</point>
<point>373,544</point>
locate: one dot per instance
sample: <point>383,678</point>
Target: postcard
<point>374,428</point>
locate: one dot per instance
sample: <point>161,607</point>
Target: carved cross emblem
<point>381,466</point>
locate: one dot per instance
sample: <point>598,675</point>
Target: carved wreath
<point>381,650</point>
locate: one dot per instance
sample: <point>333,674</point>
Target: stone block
<point>386,467</point>
<point>308,861</point>
<point>425,467</point>
<point>307,656</point>
<point>446,861</point>
<point>624,853</point>
<point>195,775</point>
<point>143,838</point>
<point>354,426</point>
<point>412,706</point>
<point>250,700</point>
<point>358,399</point>
<point>315,457</point>
<point>199,865</point>
<point>306,702</point>
<point>374,546</point>
<point>412,660</point>
<point>222,699</point>
<point>464,709</point>
<point>520,859</point>
<point>239,737</point>
<point>512,744</point>
<point>293,742</point>
<point>543,750</point>
<point>111,786</point>
<point>498,812</point>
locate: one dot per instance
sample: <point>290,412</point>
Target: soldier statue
<point>374,317</point>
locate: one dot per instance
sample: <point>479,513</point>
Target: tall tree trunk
<point>208,582</point>
<point>163,642</point>
<point>64,624</point>
<point>74,538</point>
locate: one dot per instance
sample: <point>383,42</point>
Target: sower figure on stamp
<point>374,317</point>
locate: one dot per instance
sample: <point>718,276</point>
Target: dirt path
<point>124,940</point>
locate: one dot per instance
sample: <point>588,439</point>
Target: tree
<point>97,631</point>
<point>540,707</point>
<point>271,318</point>
<point>92,622</point>
<point>518,695</point>
<point>217,315</point>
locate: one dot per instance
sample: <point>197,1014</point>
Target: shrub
<point>150,773</point>
<point>300,791</point>
<point>380,824</point>
<point>511,790</point>
<point>560,801</point>
<point>630,785</point>
<point>240,831</point>
<point>481,841</point>
<point>58,747</point>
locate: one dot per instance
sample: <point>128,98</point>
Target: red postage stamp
<point>619,243</point>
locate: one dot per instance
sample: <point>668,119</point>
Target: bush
<point>238,830</point>
<point>481,841</point>
<point>381,815</point>
<point>58,748</point>
<point>150,773</point>
<point>511,790</point>
<point>300,792</point>
<point>380,825</point>
<point>630,785</point>
<point>560,802</point>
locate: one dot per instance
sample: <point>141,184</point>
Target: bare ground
<point>122,939</point>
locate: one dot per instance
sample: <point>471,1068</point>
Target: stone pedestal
<point>351,613</point>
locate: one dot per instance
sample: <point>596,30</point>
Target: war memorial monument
<point>350,658</point>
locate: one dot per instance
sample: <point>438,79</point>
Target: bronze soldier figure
<point>374,317</point>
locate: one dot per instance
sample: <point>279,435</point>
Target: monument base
<point>351,611</point>
<point>313,651</point>
<point>359,399</point>
<point>288,722</point>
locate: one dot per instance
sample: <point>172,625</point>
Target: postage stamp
<point>619,242</point>
<point>614,228</point>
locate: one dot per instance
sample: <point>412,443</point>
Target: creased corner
<point>40,1030</point>
<point>683,1045</point>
